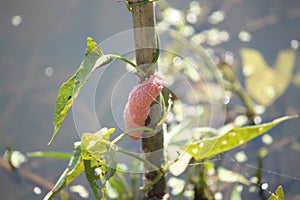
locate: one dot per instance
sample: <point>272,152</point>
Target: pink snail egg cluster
<point>140,99</point>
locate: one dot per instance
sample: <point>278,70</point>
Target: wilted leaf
<point>209,147</point>
<point>70,89</point>
<point>75,167</point>
<point>278,195</point>
<point>226,175</point>
<point>265,84</point>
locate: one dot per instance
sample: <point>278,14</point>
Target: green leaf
<point>90,173</point>
<point>48,154</point>
<point>70,89</point>
<point>75,167</point>
<point>229,176</point>
<point>278,195</point>
<point>92,45</point>
<point>94,146</point>
<point>264,83</point>
<point>112,161</point>
<point>209,147</point>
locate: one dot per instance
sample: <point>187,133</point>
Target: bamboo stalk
<point>145,43</point>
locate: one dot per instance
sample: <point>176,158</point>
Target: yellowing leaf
<point>208,147</point>
<point>264,83</point>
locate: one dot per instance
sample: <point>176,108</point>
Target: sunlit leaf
<point>180,165</point>
<point>75,167</point>
<point>264,83</point>
<point>70,89</point>
<point>229,176</point>
<point>209,147</point>
<point>278,195</point>
<point>94,146</point>
<point>97,153</point>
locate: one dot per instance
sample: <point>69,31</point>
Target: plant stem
<point>139,71</point>
<point>187,181</point>
<point>120,137</point>
<point>138,158</point>
<point>146,52</point>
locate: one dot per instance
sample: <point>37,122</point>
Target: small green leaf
<point>278,195</point>
<point>209,147</point>
<point>92,45</point>
<point>70,89</point>
<point>48,154</point>
<point>228,176</point>
<point>90,173</point>
<point>112,161</point>
<point>75,167</point>
<point>94,146</point>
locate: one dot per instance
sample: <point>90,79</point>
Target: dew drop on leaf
<point>195,150</point>
<point>224,142</point>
